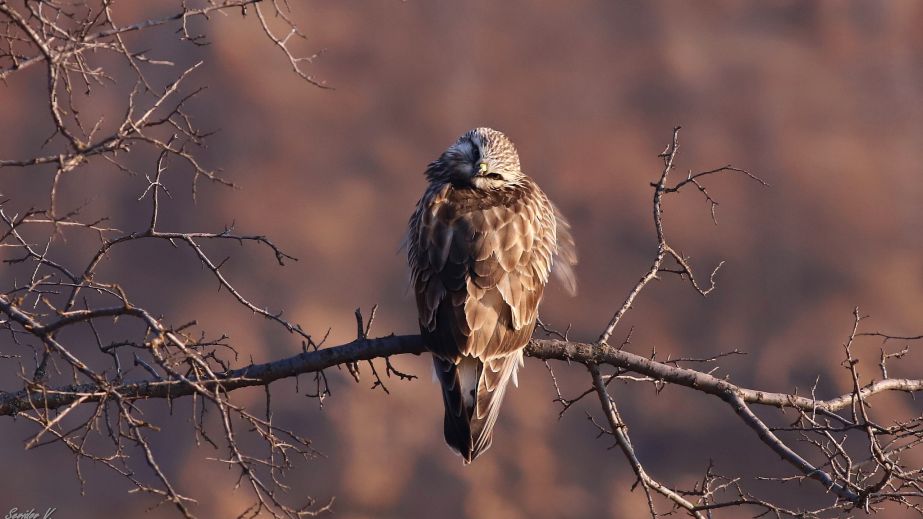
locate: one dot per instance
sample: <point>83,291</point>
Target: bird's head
<point>482,158</point>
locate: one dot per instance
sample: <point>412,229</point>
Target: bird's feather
<point>480,259</point>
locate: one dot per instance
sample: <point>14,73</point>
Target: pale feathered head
<point>482,158</point>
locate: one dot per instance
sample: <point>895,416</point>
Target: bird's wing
<point>565,256</point>
<point>479,271</point>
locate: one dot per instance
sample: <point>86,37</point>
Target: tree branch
<point>383,347</point>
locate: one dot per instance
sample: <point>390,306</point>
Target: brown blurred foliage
<point>822,99</point>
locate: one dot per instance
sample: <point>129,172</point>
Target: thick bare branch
<point>368,349</point>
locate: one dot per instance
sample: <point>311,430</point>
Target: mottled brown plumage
<point>482,243</point>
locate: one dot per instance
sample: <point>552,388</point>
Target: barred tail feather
<point>472,392</point>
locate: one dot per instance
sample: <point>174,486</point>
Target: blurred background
<point>821,99</point>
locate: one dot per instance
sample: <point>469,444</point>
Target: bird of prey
<point>482,243</point>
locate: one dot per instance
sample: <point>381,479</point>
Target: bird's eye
<point>494,176</point>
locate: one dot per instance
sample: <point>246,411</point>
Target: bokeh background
<point>821,99</point>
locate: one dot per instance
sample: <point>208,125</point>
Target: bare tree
<point>838,443</point>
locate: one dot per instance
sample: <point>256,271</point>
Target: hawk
<point>482,243</point>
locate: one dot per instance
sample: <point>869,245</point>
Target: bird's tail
<point>472,392</point>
